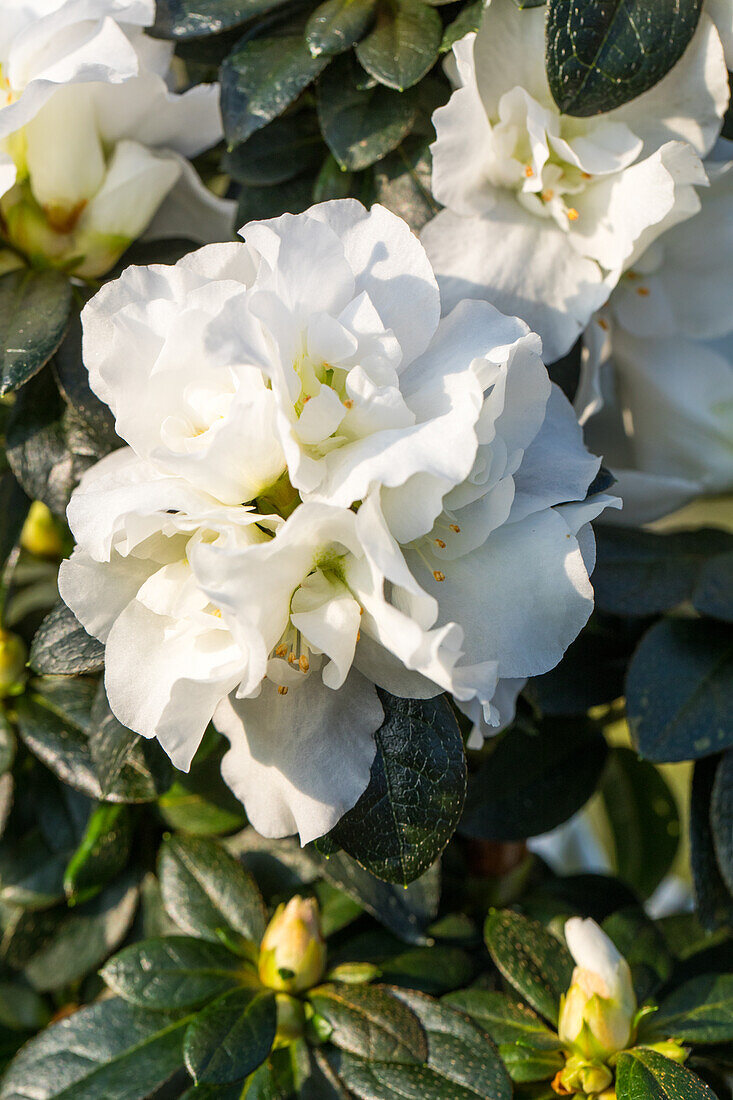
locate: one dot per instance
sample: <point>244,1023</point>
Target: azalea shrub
<point>366,675</point>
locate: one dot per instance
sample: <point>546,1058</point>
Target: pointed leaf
<point>646,1075</point>
<point>503,1018</point>
<point>34,312</point>
<point>231,1037</point>
<point>404,44</point>
<point>370,1022</point>
<point>538,966</point>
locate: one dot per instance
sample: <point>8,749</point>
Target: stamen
<point>573,214</point>
<point>586,175</point>
<point>304,663</point>
<point>455,527</point>
<point>281,651</point>
<point>643,291</point>
<point>529,171</point>
<point>348,403</point>
<point>358,635</point>
<point>438,575</point>
<point>291,658</point>
<point>603,323</point>
<point>282,690</point>
<point>440,543</point>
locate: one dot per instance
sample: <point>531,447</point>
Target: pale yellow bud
<point>293,952</point>
<point>596,1014</point>
<point>13,656</point>
<point>582,1076</point>
<point>41,534</point>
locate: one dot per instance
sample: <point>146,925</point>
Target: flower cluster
<point>326,487</point>
<point>93,141</point>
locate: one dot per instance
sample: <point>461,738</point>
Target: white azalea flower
<point>544,211</point>
<point>656,392</point>
<point>92,140</point>
<point>326,488</point>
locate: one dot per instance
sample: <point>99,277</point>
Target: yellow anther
<point>438,575</point>
<point>586,175</point>
<point>217,612</point>
<point>529,171</point>
<point>440,543</point>
<point>348,403</point>
<point>358,635</point>
<point>573,214</point>
<point>603,323</point>
<point>291,658</point>
<point>282,690</point>
<point>455,527</point>
<point>281,651</point>
<point>643,291</point>
<point>304,663</point>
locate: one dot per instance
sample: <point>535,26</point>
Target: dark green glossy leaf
<point>201,18</point>
<point>643,946</point>
<point>63,647</point>
<point>466,22</point>
<point>34,311</point>
<point>257,203</point>
<point>172,972</point>
<point>84,938</point>
<point>261,78</point>
<point>432,970</point>
<point>679,690</point>
<point>361,125</point>
<point>721,818</point>
<point>404,44</point>
<point>700,1011</point>
<point>713,594</point>
<point>402,182</point>
<point>288,147</point>
<point>52,720</point>
<point>338,910</point>
<point>102,853</point>
<point>525,1066</point>
<point>531,959</point>
<point>604,53</point>
<point>336,25</point>
<point>129,768</point>
<point>504,1019</point>
<point>207,892</point>
<point>14,505</point>
<point>200,803</point>
<point>641,573</point>
<point>93,419</point>
<point>644,820</point>
<point>37,445</point>
<point>7,745</point>
<point>531,783</point>
<point>462,1063</point>
<point>646,1075</point>
<point>108,1050</point>
<point>413,802</point>
<point>231,1037</point>
<point>368,1021</point>
<point>714,903</point>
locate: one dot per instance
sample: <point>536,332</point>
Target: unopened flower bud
<point>293,953</point>
<point>13,656</point>
<point>41,534</point>
<point>596,1014</point>
<point>580,1075</point>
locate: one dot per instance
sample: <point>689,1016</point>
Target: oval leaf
<point>172,972</point>
<point>504,1019</point>
<point>646,1075</point>
<point>338,24</point>
<point>34,312</point>
<point>603,53</point>
<point>404,44</point>
<point>63,647</point>
<point>531,959</point>
<point>368,1021</point>
<point>231,1037</point>
<point>700,1011</point>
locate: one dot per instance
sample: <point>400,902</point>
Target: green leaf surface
<point>679,690</point>
<point>370,1022</point>
<point>52,719</point>
<point>34,312</point>
<point>532,960</point>
<point>92,419</point>
<point>700,1011</point>
<point>646,1075</point>
<point>172,972</point>
<point>63,647</point>
<point>713,900</point>
<point>603,53</point>
<point>38,449</point>
<point>713,594</point>
<point>102,853</point>
<point>504,1019</point>
<point>200,803</point>
<point>7,744</point>
<point>287,147</point>
<point>261,78</point>
<point>643,573</point>
<point>231,1037</point>
<point>108,1050</point>
<point>129,768</point>
<point>207,892</point>
<point>532,782</point>
<point>467,21</point>
<point>404,44</point>
<point>361,125</point>
<point>337,25</point>
<point>413,802</point>
<point>721,818</point>
<point>643,945</point>
<point>645,824</point>
<point>21,1007</point>
<point>14,505</point>
<point>432,970</point>
<point>462,1063</point>
<point>183,19</point>
<point>526,1066</point>
<point>402,182</point>
<point>84,938</point>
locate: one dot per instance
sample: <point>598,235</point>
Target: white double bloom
<point>93,143</point>
<point>326,488</point>
<point>543,211</point>
<point>656,390</point>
